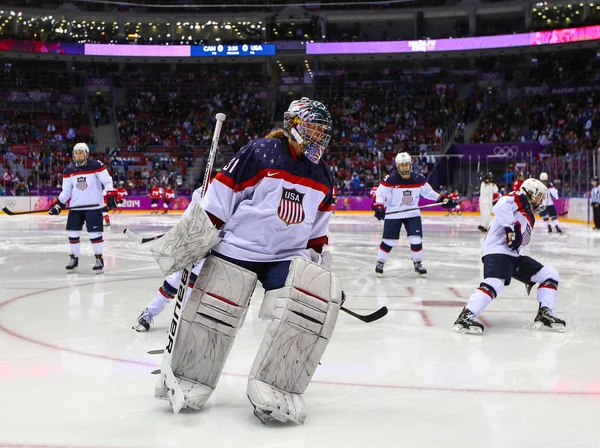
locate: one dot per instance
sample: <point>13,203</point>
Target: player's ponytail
<point>277,133</point>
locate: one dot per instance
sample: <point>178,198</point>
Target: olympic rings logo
<point>506,151</point>
<point>10,203</point>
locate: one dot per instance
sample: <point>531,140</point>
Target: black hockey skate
<point>419,269</point>
<point>546,320</point>
<point>549,229</point>
<point>558,230</point>
<point>466,323</point>
<point>72,266</point>
<point>379,267</point>
<point>482,229</point>
<point>99,266</point>
<point>144,321</point>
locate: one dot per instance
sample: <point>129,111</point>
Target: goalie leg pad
<point>216,309</point>
<point>306,310</point>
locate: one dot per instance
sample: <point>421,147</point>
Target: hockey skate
<point>144,322</point>
<point>546,320</point>
<point>549,229</point>
<point>558,230</point>
<point>419,269</point>
<point>72,266</point>
<point>99,266</point>
<point>482,229</point>
<point>467,324</point>
<point>379,267</point>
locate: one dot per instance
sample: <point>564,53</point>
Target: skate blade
<point>99,271</point>
<point>139,328</point>
<point>72,271</point>
<point>471,330</point>
<point>556,328</point>
<point>379,274</point>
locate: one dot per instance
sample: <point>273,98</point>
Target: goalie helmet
<point>309,123</point>
<point>80,154</point>
<point>403,163</point>
<point>536,193</point>
<point>544,177</point>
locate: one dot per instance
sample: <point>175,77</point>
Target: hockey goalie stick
<point>139,238</point>
<point>79,207</point>
<point>437,204</point>
<point>174,391</point>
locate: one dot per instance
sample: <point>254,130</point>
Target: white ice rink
<point>74,374</point>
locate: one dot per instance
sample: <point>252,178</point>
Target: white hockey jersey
<point>398,194</point>
<point>274,205</point>
<point>552,195</point>
<point>83,184</point>
<point>508,210</point>
<point>487,192</point>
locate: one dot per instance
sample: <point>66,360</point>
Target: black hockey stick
<point>139,239</point>
<point>369,317</point>
<point>9,213</point>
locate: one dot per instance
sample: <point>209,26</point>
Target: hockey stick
<point>437,204</point>
<point>369,317</point>
<point>9,213</point>
<point>139,238</point>
<point>174,392</point>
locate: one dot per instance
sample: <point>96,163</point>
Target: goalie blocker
<point>303,315</point>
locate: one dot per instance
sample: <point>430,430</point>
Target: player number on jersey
<point>231,165</point>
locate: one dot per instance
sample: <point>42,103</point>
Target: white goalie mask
<point>80,154</point>
<point>536,193</point>
<point>403,163</point>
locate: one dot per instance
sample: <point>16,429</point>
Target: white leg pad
<point>304,316</point>
<point>215,311</point>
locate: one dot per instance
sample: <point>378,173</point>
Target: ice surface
<point>73,372</point>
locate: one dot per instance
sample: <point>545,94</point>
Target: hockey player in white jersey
<point>487,191</point>
<point>168,289</point>
<point>82,183</point>
<point>510,231</point>
<point>272,204</point>
<point>398,191</point>
<point>549,214</point>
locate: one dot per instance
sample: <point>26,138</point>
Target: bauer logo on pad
<point>290,208</point>
<point>81,183</point>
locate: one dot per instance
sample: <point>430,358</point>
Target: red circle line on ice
<point>25,338</point>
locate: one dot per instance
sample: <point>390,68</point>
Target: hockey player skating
<point>121,195</point>
<point>272,203</point>
<point>595,202</point>
<point>510,231</point>
<point>487,191</point>
<point>399,191</point>
<point>110,201</point>
<point>169,196</point>
<point>156,194</point>
<point>82,183</point>
<point>549,214</point>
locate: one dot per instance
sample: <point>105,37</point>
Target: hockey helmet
<point>536,193</point>
<point>595,179</point>
<point>80,154</point>
<point>403,163</point>
<point>544,177</point>
<point>309,123</point>
<point>489,177</point>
